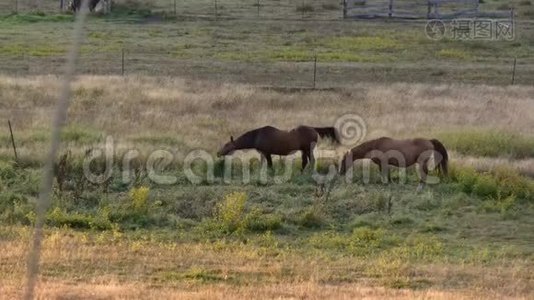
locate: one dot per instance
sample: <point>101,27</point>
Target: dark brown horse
<point>269,140</point>
<point>387,152</point>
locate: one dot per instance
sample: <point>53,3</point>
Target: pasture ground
<point>467,237</point>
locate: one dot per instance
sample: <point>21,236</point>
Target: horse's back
<point>409,149</point>
<point>388,143</point>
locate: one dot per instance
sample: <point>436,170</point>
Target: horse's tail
<point>328,132</point>
<point>443,164</point>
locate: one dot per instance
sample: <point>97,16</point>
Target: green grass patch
<point>37,50</point>
<point>489,143</point>
<point>362,43</point>
<point>80,135</point>
<point>25,18</point>
<point>453,54</point>
<point>500,183</point>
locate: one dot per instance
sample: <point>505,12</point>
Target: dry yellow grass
<point>109,266</point>
<point>148,112</point>
<point>305,290</point>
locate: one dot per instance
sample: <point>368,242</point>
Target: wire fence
<point>270,9</point>
<point>213,9</point>
<point>304,73</point>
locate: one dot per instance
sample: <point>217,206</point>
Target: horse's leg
<point>269,161</point>
<point>423,172</point>
<point>383,169</point>
<point>312,156</point>
<point>304,159</point>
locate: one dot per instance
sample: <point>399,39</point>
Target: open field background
<point>270,51</point>
<point>191,81</point>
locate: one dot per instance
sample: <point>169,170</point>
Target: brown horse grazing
<point>269,140</point>
<point>387,152</point>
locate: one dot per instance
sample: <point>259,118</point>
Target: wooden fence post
<point>390,12</point>
<point>314,70</point>
<point>122,62</point>
<point>175,8</point>
<point>344,9</point>
<point>216,10</point>
<point>13,141</point>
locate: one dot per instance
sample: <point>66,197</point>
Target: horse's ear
<point>232,138</point>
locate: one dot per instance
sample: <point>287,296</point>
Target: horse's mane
<point>248,139</point>
<point>365,147</point>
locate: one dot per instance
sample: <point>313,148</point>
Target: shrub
<point>59,218</point>
<point>7,171</point>
<point>255,221</point>
<point>486,186</point>
<point>511,183</point>
<point>139,198</point>
<point>231,211</point>
<point>466,177</point>
<point>311,218</point>
<point>502,181</point>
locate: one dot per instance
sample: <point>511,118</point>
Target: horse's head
<point>228,148</point>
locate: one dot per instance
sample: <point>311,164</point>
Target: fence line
<point>215,9</point>
<point>267,72</point>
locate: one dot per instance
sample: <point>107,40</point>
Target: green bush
<point>255,221</point>
<point>502,181</point>
<point>311,218</point>
<point>230,213</point>
<point>466,177</point>
<point>139,198</point>
<point>7,171</point>
<point>486,186</point>
<point>57,217</point>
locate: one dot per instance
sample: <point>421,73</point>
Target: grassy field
<point>191,82</point>
<point>467,237</point>
<point>273,50</point>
